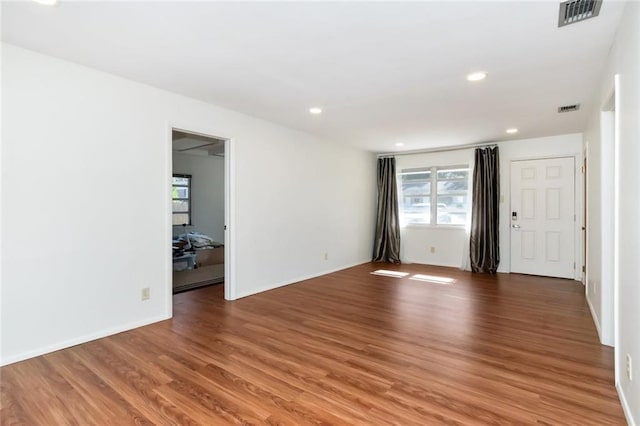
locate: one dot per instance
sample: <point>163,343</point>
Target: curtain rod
<point>443,149</point>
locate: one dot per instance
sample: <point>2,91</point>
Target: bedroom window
<point>434,196</point>
<point>181,196</point>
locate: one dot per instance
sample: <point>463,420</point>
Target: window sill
<point>425,226</point>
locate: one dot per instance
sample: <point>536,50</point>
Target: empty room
<point>296,213</point>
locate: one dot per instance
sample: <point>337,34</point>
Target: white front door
<point>543,217</point>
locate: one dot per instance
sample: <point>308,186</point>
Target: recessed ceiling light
<point>315,110</point>
<point>477,76</point>
<point>47,2</point>
<point>399,144</point>
<point>512,130</point>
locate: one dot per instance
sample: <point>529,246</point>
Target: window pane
<point>180,206</point>
<point>453,186</point>
<point>180,192</point>
<point>408,177</point>
<point>416,213</point>
<point>443,213</point>
<point>415,203</point>
<point>416,187</point>
<point>452,209</point>
<point>181,219</point>
<point>180,181</point>
<point>453,174</point>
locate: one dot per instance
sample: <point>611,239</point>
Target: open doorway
<point>198,210</point>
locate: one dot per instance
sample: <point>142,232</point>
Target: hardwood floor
<point>346,348</point>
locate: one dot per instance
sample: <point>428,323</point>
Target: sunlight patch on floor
<point>417,277</point>
<point>386,273</point>
<point>433,279</point>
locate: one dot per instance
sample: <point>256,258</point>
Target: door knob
<point>515,226</point>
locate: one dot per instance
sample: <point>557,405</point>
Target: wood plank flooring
<point>345,348</point>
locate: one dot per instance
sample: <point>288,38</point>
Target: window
<point>181,195</point>
<point>434,196</point>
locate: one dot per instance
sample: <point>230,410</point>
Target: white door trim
<point>230,292</point>
<point>229,209</point>
<point>618,370</point>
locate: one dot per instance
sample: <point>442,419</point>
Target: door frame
<point>618,368</point>
<point>609,185</point>
<point>585,219</point>
<point>230,289</point>
<point>577,208</point>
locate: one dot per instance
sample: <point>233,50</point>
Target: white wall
<point>207,189</point>
<point>79,144</point>
<point>448,241</point>
<point>624,60</point>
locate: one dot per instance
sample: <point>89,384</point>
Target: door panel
<point>542,217</point>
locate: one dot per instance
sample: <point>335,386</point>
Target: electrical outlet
<point>432,249</point>
<point>629,368</point>
<point>146,293</point>
<point>326,255</point>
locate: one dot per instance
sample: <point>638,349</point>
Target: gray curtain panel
<point>484,250</point>
<point>387,242</point>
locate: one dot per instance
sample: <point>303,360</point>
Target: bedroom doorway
<point>199,193</point>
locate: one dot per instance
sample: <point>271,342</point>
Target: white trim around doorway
<point>229,209</point>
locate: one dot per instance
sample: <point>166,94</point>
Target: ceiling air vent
<point>569,108</point>
<point>573,11</point>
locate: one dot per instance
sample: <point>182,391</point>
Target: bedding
<point>207,251</point>
<point>196,240</point>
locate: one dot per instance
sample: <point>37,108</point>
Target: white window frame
<point>433,195</point>
<point>189,199</point>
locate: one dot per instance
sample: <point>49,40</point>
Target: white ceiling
<point>384,72</point>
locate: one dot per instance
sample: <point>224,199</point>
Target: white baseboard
<point>446,265</point>
<point>296,280</point>
<point>595,319</point>
<point>625,407</point>
<point>79,340</point>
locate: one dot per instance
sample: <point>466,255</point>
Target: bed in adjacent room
<point>198,261</point>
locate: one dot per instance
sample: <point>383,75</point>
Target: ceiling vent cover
<point>569,108</point>
<point>573,11</point>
